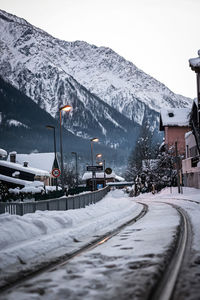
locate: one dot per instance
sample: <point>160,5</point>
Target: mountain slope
<point>110,96</point>
<point>23,129</point>
<point>23,124</point>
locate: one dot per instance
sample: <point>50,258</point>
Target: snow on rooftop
<point>3,152</point>
<point>187,134</point>
<point>19,167</point>
<point>195,62</point>
<point>119,178</point>
<point>88,175</point>
<point>175,116</point>
<point>21,181</point>
<point>43,161</point>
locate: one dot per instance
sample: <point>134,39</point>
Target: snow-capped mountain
<point>111,97</point>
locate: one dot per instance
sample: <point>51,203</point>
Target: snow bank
<point>44,235</point>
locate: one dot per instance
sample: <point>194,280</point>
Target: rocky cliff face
<point>111,97</point>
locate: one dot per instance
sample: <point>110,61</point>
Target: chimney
<point>25,164</point>
<point>13,157</point>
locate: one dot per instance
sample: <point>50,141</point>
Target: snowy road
<point>124,267</point>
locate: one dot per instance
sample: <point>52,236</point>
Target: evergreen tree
<point>145,150</point>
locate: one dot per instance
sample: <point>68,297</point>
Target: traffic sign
<point>56,172</point>
<point>108,171</point>
<point>94,168</point>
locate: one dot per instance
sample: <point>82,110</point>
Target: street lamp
<point>76,158</point>
<point>93,172</point>
<point>55,159</point>
<point>64,108</point>
<point>91,142</point>
<point>102,163</point>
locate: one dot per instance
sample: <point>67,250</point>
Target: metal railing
<point>63,203</point>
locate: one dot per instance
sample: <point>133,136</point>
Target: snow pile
<point>44,235</point>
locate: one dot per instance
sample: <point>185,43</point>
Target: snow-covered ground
<point>125,265</point>
<point>26,241</point>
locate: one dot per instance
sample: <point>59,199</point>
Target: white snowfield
<point>26,241</point>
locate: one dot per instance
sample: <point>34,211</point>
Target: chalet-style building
<point>14,175</point>
<point>44,161</point>
<point>175,123</point>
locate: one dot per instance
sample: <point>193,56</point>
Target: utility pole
<point>76,159</point>
<point>177,168</point>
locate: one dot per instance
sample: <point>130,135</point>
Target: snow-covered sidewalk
<point>29,240</point>
<point>188,286</point>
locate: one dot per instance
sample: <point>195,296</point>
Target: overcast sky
<point>158,36</point>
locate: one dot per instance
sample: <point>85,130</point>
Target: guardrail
<point>63,203</point>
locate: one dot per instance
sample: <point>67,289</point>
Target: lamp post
<point>54,134</point>
<point>102,163</point>
<point>64,108</point>
<point>76,158</point>
<point>93,172</point>
<point>91,143</point>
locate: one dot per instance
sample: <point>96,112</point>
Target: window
<point>193,151</point>
<point>171,114</point>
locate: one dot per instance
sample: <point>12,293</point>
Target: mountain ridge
<point>110,96</point>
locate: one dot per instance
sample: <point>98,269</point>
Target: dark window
<point>193,151</point>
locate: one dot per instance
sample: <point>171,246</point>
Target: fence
<point>64,203</point>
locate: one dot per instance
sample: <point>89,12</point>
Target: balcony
<point>189,165</point>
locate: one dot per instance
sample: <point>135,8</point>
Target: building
<point>175,123</point>
<point>191,163</point>
<point>101,179</point>
<point>14,175</point>
<point>44,161</point>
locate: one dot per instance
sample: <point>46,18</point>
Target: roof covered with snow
<point>19,167</point>
<point>3,152</point>
<point>195,63</point>
<point>187,134</point>
<point>174,117</point>
<point>88,175</point>
<point>42,161</point>
<point>22,182</point>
